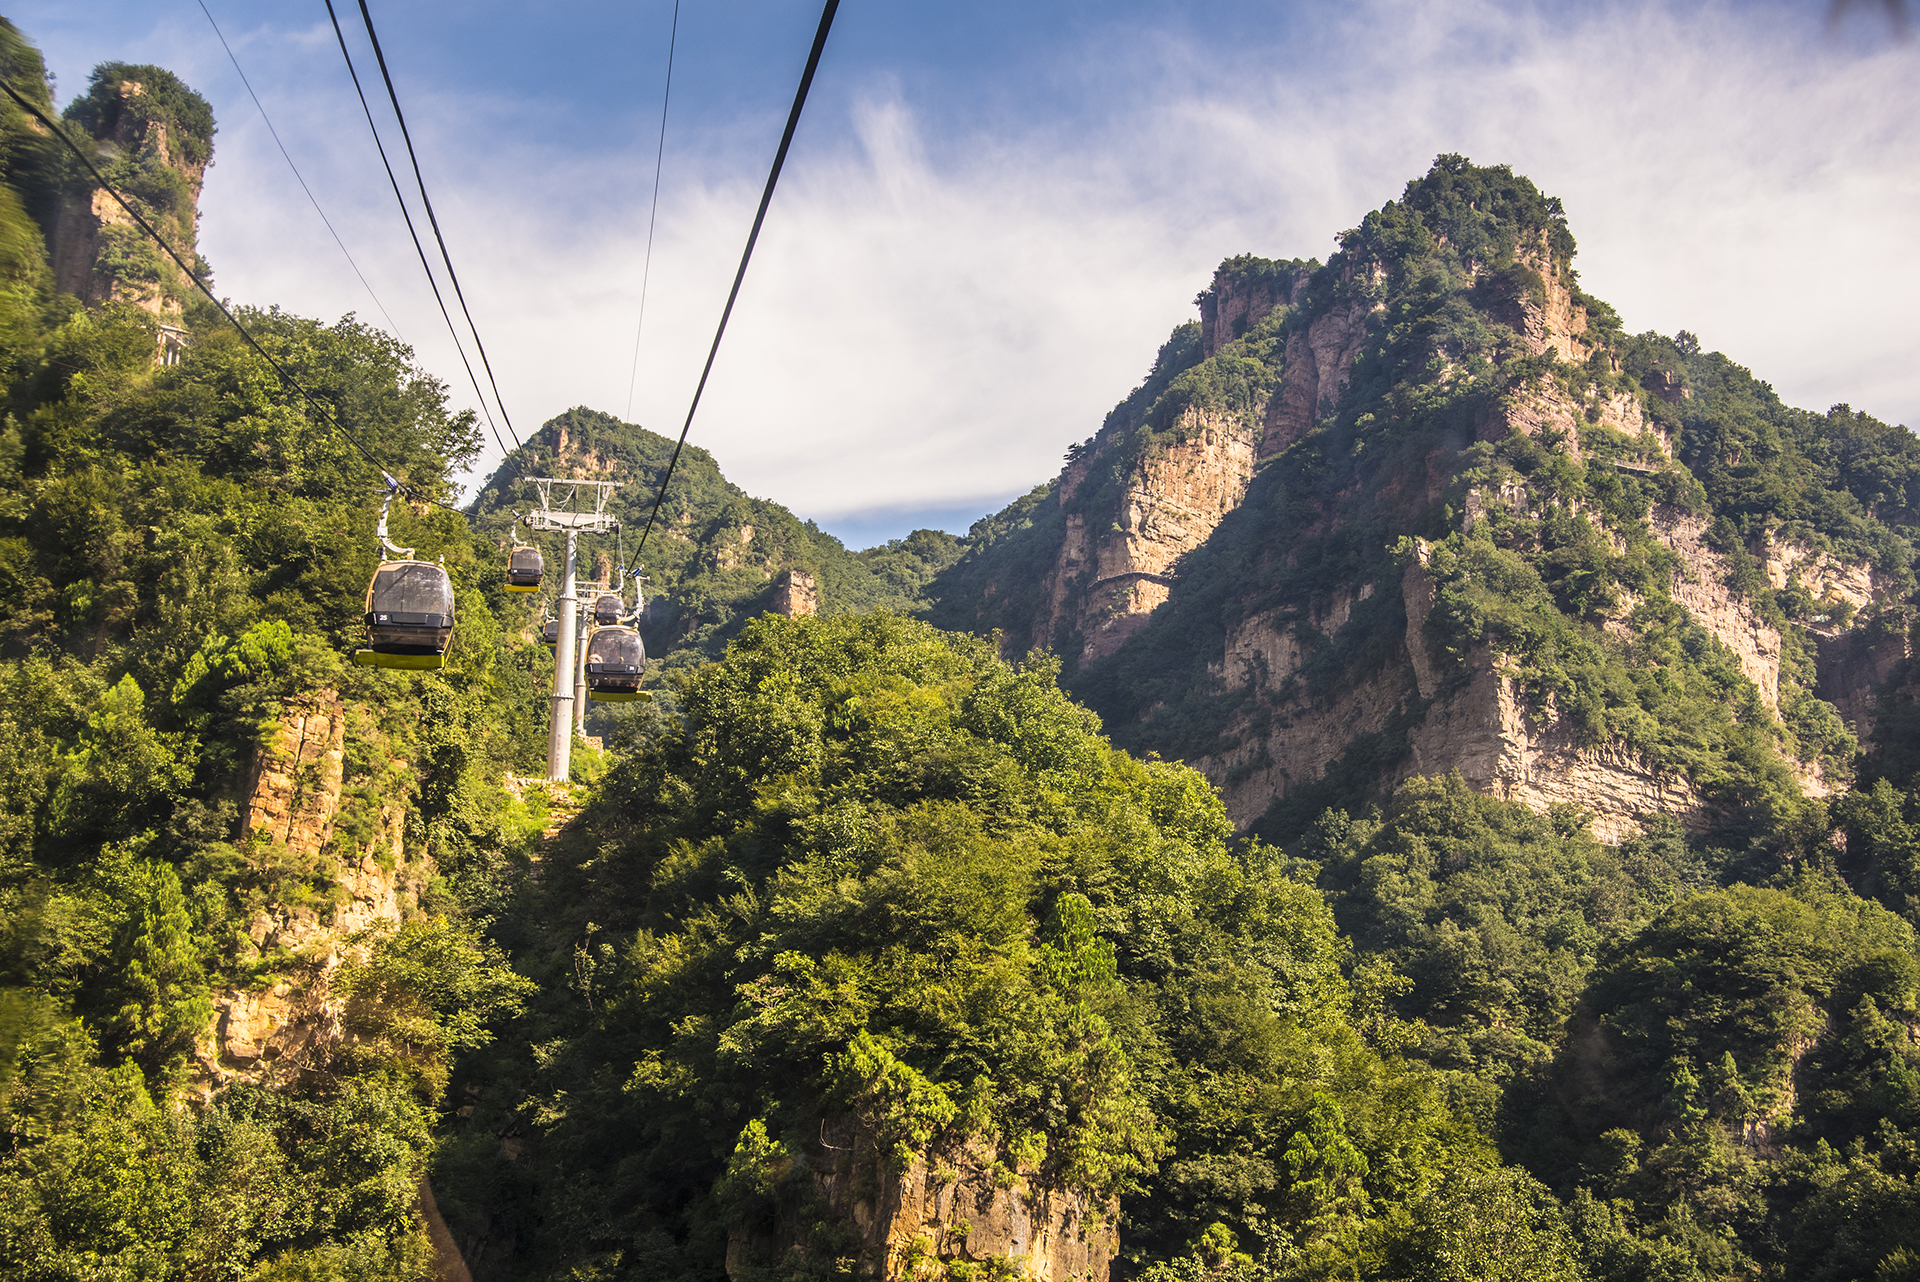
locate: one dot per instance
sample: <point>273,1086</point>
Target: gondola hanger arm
<point>398,553</point>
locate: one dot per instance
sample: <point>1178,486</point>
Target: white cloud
<point>932,316</point>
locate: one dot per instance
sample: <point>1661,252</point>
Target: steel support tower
<point>568,519</point>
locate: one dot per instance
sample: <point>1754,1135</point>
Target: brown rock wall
<point>1263,653</point>
<point>1181,494</point>
<point>1824,575</point>
<point>1483,728</point>
<point>959,1208</point>
<point>1235,305</point>
<point>1855,666</point>
<point>1319,359</point>
<point>1557,321</point>
<point>796,595</point>
<point>1700,586</point>
<point>1275,755</point>
<point>81,222</point>
<point>1070,569</point>
<point>1502,745</point>
<point>1105,585</point>
<point>294,788</point>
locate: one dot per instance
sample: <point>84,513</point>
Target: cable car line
<point>653,214</point>
<point>433,221</point>
<point>418,248</point>
<point>296,169</point>
<point>766,198</point>
<point>286,376</point>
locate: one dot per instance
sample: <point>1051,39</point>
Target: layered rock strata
<point>1103,588</point>
<point>293,798</point>
<point>796,594</point>
<point>89,222</point>
<point>951,1213</point>
<point>293,791</point>
<point>1319,359</point>
<point>1310,673</point>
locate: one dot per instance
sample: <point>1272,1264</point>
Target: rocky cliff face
<point>98,253</point>
<point>1859,665</point>
<point>796,594</point>
<point>1158,478</point>
<point>1319,358</point>
<point>1216,573</point>
<point>293,797</point>
<point>1485,727</point>
<point>1480,724</point>
<point>950,1214</point>
<point>1103,587</point>
<point>293,790</point>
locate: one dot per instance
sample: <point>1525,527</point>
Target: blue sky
<point>995,212</point>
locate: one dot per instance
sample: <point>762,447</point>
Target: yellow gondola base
<point>402,662</point>
<point>621,696</point>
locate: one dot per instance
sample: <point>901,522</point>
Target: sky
<point>995,212</point>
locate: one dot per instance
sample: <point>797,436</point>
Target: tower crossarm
<point>561,501</point>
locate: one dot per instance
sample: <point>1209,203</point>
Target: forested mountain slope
<point>869,953</point>
<point>237,874</point>
<point>1429,507</point>
<point>716,556</point>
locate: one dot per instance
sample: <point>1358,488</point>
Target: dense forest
<point>867,949</point>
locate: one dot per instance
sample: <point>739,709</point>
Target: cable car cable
<point>433,221</point>
<point>418,248</point>
<point>296,169</point>
<point>286,376</point>
<point>653,214</point>
<point>766,198</point>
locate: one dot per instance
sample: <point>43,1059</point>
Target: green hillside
<point>716,553</point>
<point>1570,583</point>
<point>867,952</point>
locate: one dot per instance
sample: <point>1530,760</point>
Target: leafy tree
<point>882,886</point>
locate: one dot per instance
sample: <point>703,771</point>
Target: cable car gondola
<point>616,660</point>
<point>524,563</point>
<point>607,609</point>
<point>550,633</point>
<point>409,608</point>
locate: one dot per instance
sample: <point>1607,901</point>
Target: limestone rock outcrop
<point>1240,511</point>
<point>796,595</point>
<point>1238,299</point>
<point>1700,585</point>
<point>1480,722</point>
<point>97,251</point>
<point>956,1211</point>
<point>1104,588</point>
<point>1858,665</point>
<point>1319,359</point>
<point>1477,721</point>
<point>293,798</point>
<point>294,789</point>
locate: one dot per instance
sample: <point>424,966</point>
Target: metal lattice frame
<point>548,517</point>
<point>569,673</point>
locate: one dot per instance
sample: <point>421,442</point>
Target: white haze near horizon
<point>934,313</point>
